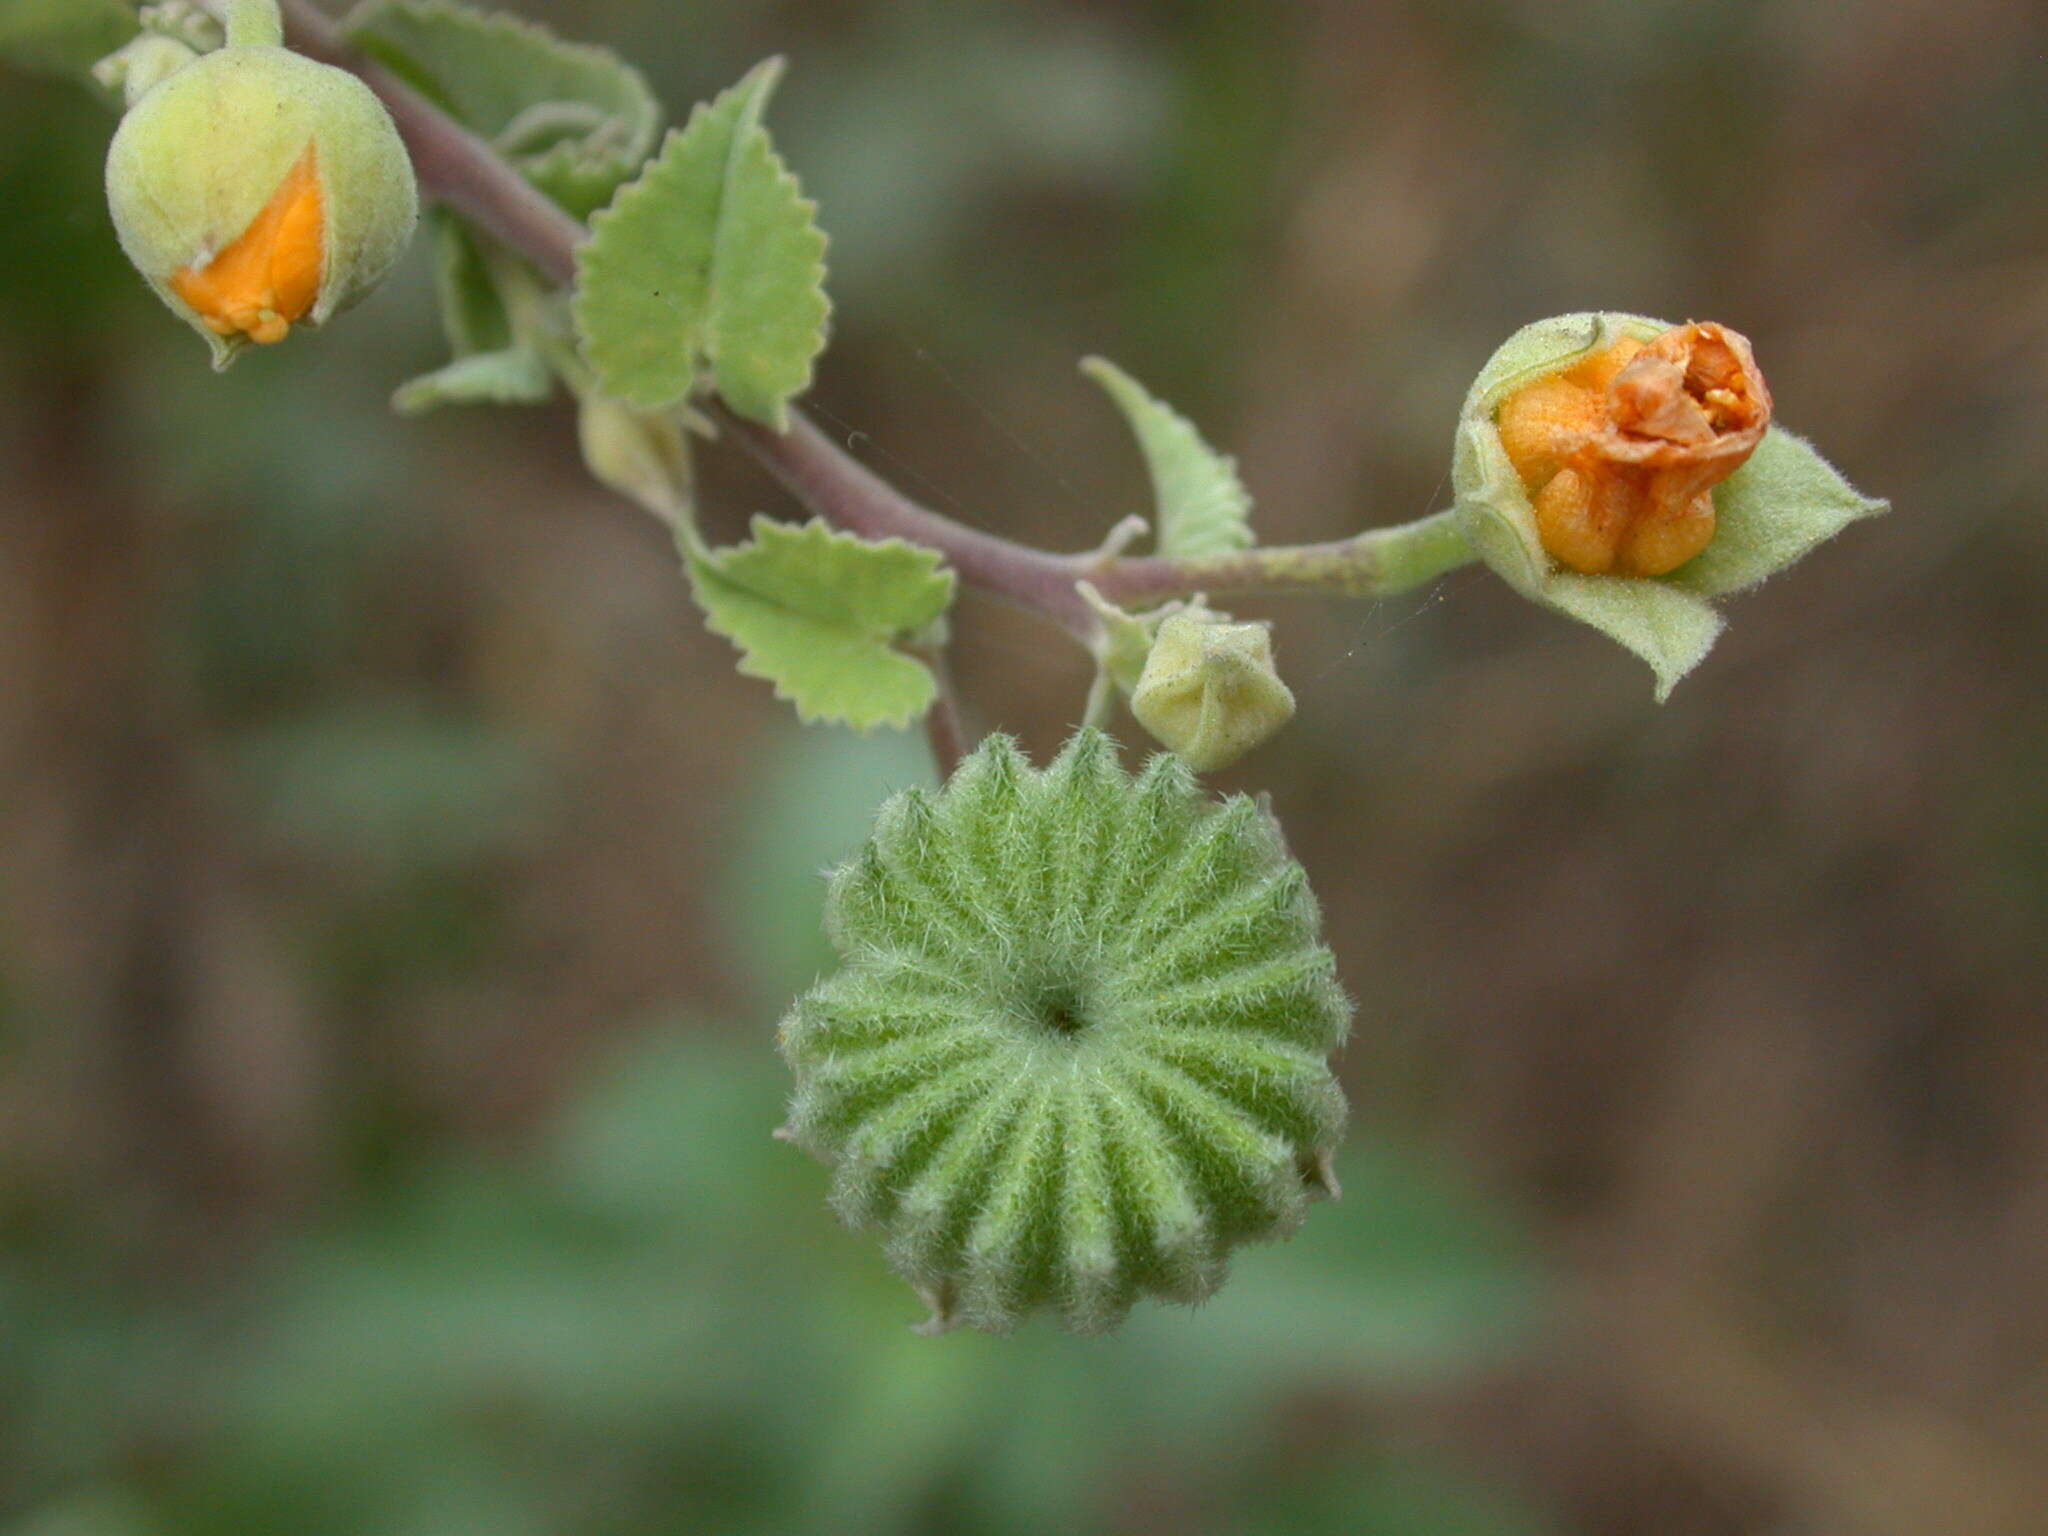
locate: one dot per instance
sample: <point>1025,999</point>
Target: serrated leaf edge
<point>754,90</point>
<point>1142,409</point>
<point>702,559</point>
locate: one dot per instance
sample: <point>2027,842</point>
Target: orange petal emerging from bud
<point>1619,451</point>
<point>270,276</point>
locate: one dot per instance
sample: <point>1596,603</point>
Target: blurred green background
<point>399,889</point>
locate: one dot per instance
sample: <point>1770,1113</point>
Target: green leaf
<point>713,261</point>
<point>1772,511</point>
<point>1670,629</point>
<point>492,366</point>
<point>63,37</point>
<point>514,376</point>
<point>817,612</point>
<point>575,119</point>
<point>1203,508</point>
<point>473,315</point>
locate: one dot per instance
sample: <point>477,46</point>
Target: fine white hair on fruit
<point>1078,1050</point>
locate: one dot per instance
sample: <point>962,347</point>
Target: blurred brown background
<point>362,782</point>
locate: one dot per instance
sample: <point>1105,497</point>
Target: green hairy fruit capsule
<point>1079,1047</point>
<point>256,190</point>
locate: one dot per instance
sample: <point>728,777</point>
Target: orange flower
<point>270,276</point>
<point>1619,452</point>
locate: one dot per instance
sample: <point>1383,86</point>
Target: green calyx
<point>1079,1047</point>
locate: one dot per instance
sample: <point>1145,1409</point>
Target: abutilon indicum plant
<point>1078,1048</point>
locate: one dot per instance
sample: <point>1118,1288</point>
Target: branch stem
<point>845,492</point>
<point>467,174</point>
<point>1376,563</point>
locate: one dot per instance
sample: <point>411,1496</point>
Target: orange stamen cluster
<point>1619,451</point>
<point>269,278</point>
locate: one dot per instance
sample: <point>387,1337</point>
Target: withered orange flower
<point>270,276</point>
<point>1620,451</point>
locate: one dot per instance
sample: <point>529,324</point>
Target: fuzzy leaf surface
<point>473,316</point>
<point>1201,505</point>
<point>492,366</point>
<point>711,263</point>
<point>513,376</point>
<point>817,613</point>
<point>577,120</point>
<point>1777,508</point>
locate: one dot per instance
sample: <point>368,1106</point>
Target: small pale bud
<point>1210,690</point>
<point>642,455</point>
<point>257,190</point>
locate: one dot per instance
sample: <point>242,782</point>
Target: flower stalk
<point>254,24</point>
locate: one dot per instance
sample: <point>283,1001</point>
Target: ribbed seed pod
<point>1079,1047</point>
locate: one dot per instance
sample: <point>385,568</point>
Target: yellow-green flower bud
<point>1210,690</point>
<point>257,190</point>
